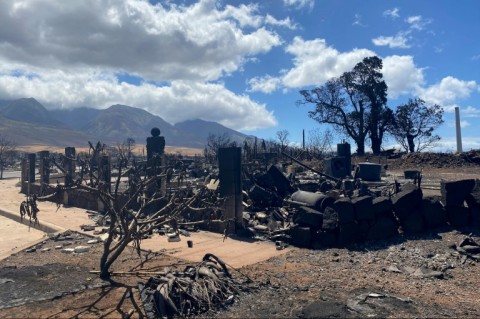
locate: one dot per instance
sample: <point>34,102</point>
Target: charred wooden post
<point>44,167</point>
<point>229,163</point>
<point>31,168</point>
<point>105,172</point>
<point>24,176</point>
<point>343,150</point>
<point>69,166</point>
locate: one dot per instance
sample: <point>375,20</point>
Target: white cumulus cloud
<point>299,3</point>
<point>418,22</point>
<point>74,53</point>
<point>179,101</point>
<point>400,40</point>
<point>393,13</point>
<point>315,62</point>
<point>266,84</point>
<point>448,91</point>
<point>156,42</point>
<point>401,75</point>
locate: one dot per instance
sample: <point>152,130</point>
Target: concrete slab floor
<point>233,251</point>
<point>15,237</point>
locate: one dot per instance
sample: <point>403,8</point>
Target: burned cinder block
<point>345,210</point>
<point>474,207</point>
<point>363,208</point>
<point>458,216</point>
<point>330,219</point>
<point>382,207</point>
<point>434,214</point>
<point>301,236</point>
<point>383,228</point>
<point>306,216</point>
<point>364,227</point>
<point>324,239</point>
<point>413,223</point>
<point>407,201</point>
<point>348,233</point>
<point>475,216</point>
<point>455,192</point>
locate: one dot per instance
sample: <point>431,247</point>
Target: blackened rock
<point>458,216</point>
<point>382,207</point>
<point>455,192</point>
<point>434,214</point>
<point>413,223</point>
<point>301,236</point>
<point>324,239</point>
<point>407,201</point>
<point>363,208</point>
<point>347,233</point>
<point>383,228</point>
<point>345,210</point>
<point>306,216</point>
<point>330,219</point>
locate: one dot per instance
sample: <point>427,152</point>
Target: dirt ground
<point>420,276</point>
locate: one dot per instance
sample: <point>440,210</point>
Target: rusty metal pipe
<point>312,169</point>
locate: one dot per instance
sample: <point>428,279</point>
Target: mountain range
<point>27,122</point>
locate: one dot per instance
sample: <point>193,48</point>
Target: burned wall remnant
<point>230,175</point>
<point>44,167</point>
<point>31,167</point>
<point>69,165</point>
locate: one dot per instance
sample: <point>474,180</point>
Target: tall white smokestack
<point>459,131</point>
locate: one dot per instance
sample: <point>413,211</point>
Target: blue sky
<point>240,63</point>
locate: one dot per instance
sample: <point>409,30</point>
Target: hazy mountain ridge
<point>28,122</point>
<point>203,129</point>
<point>29,110</point>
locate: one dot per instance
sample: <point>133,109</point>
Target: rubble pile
<point>438,160</point>
<point>197,289</point>
<point>312,212</point>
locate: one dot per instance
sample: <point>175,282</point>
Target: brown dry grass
<point>138,149</point>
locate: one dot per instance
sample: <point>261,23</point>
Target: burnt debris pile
<point>293,198</point>
<point>317,212</point>
<point>198,289</point>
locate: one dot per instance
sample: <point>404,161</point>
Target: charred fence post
<point>44,168</point>
<point>105,173</point>
<point>32,157</point>
<point>343,150</point>
<point>69,166</point>
<point>229,163</point>
<point>24,176</point>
